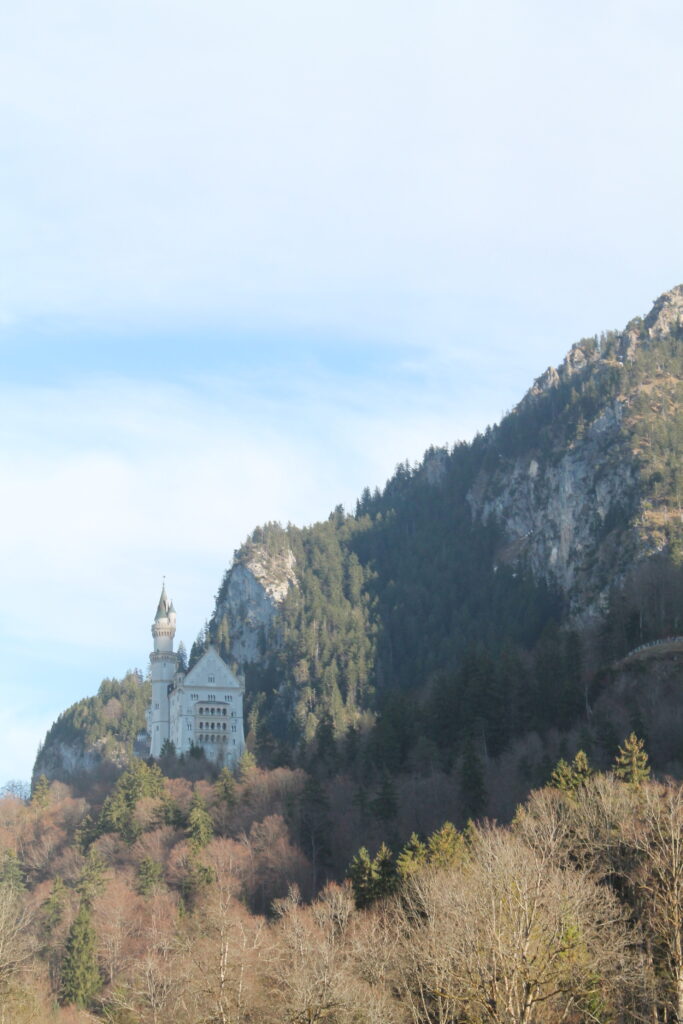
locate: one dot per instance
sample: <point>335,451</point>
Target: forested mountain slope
<point>476,600</point>
<point>438,601</point>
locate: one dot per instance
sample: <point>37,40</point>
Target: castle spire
<point>164,605</point>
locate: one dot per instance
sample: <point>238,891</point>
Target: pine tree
<point>41,792</point>
<point>471,784</point>
<point>384,805</point>
<point>92,876</point>
<point>446,846</point>
<point>226,790</point>
<point>412,857</point>
<point>385,878</point>
<point>200,825</point>
<point>11,872</point>
<point>247,764</point>
<point>150,874</point>
<point>631,763</point>
<point>80,977</point>
<point>570,778</point>
<point>362,877</point>
<point>53,907</point>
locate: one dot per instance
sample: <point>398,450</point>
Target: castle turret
<point>164,664</point>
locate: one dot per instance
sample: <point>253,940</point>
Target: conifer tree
<point>41,792</point>
<point>384,805</point>
<point>150,875</point>
<point>11,872</point>
<point>200,825</point>
<point>445,846</point>
<point>91,878</point>
<point>471,782</point>
<point>247,764</point>
<point>412,857</point>
<point>569,778</point>
<point>53,907</point>
<point>80,976</point>
<point>385,878</point>
<point>631,764</point>
<point>362,877</point>
<point>225,788</point>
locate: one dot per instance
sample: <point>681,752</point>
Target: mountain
<point>477,599</point>
<point>562,521</point>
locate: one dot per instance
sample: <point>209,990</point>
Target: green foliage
<point>11,872</point>
<point>199,824</point>
<point>446,846</point>
<point>53,907</point>
<point>150,875</point>
<point>139,780</point>
<point>471,781</point>
<point>91,880</point>
<point>570,778</point>
<point>384,805</point>
<point>372,879</point>
<point>631,764</point>
<point>226,789</point>
<point>110,721</point>
<point>246,765</point>
<point>80,977</point>
<point>41,792</point>
<point>412,857</point>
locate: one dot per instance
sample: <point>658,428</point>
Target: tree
<point>246,765</point>
<point>17,944</point>
<point>412,857</point>
<point>631,764</point>
<point>41,792</point>
<point>361,875</point>
<point>150,875</point>
<point>200,825</point>
<point>571,777</point>
<point>80,976</point>
<point>384,805</point>
<point>471,782</point>
<point>509,939</point>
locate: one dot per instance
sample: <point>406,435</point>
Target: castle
<point>198,708</point>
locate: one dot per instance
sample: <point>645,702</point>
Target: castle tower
<point>164,664</point>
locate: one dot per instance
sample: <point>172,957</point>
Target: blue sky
<point>254,255</point>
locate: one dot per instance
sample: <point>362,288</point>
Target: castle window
<point>229,698</point>
<point>224,727</point>
<point>212,679</point>
<point>232,714</point>
<point>234,728</point>
<point>211,696</point>
<point>225,711</point>
<point>194,696</point>
<point>156,707</point>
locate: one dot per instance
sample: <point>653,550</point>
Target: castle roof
<point>164,606</point>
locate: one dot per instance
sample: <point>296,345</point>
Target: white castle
<point>200,708</point>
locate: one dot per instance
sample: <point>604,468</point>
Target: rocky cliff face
<point>577,513</point>
<point>251,594</point>
<point>564,514</point>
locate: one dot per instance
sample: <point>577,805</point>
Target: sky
<point>253,255</point>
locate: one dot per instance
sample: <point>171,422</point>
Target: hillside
<point>490,578</point>
<point>475,599</point>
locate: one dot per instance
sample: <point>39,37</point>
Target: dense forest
<point>187,903</point>
<point>418,629</point>
<point>445,812</point>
